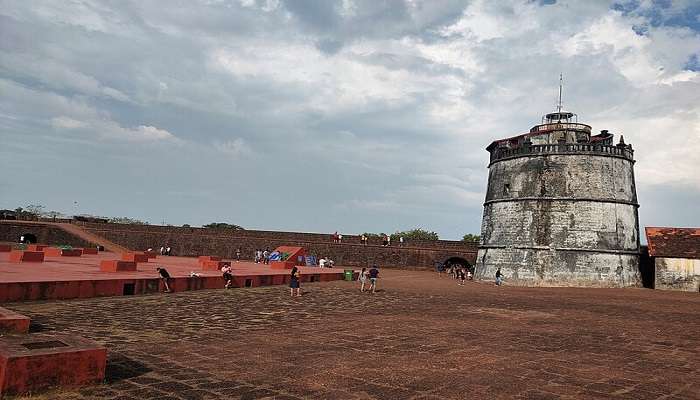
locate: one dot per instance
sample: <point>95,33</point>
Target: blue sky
<point>331,115</point>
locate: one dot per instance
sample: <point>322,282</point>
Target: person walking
<point>363,279</point>
<point>266,256</point>
<point>373,276</point>
<point>400,240</point>
<point>462,276</point>
<point>499,277</point>
<point>165,277</point>
<point>238,254</point>
<point>294,282</point>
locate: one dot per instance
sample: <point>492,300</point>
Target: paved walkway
<point>420,337</point>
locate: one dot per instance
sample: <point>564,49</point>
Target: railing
<point>561,126</point>
<point>623,151</point>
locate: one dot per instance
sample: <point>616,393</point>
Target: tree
<point>126,220</point>
<point>54,215</point>
<point>415,234</point>
<point>35,210</point>
<point>471,238</point>
<point>374,235</point>
<point>223,225</point>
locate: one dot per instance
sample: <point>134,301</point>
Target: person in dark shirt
<point>165,277</point>
<point>294,282</point>
<point>499,277</point>
<point>373,275</point>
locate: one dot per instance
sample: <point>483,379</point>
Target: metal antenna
<point>561,83</point>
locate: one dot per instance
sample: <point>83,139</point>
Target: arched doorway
<point>459,262</point>
<point>28,238</point>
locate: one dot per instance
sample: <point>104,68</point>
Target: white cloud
<point>235,148</point>
<point>67,123</point>
<point>396,101</point>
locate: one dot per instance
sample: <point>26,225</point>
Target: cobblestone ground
<point>420,337</point>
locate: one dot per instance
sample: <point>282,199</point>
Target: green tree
<point>469,237</point>
<point>223,225</point>
<point>415,234</point>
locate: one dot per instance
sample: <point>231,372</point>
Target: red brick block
<point>32,362</point>
<point>36,247</point>
<point>135,257</point>
<point>213,265</point>
<point>151,254</point>
<point>117,266</point>
<point>52,252</point>
<point>5,248</point>
<point>12,322</point>
<point>72,252</point>
<point>26,256</point>
<point>209,258</point>
<point>89,250</point>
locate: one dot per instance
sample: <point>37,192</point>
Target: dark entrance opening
<point>28,238</point>
<point>458,262</point>
<point>248,283</point>
<point>129,289</point>
<point>646,268</point>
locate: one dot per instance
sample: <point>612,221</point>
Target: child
<point>363,279</point>
<point>294,282</point>
<point>462,276</point>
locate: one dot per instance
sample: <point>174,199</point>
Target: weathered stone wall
<point>198,241</point>
<point>561,219</point>
<point>677,274</point>
<point>46,234</point>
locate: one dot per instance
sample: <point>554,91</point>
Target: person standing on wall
<point>238,254</point>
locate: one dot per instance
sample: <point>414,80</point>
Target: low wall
<point>677,274</point>
<point>199,241</point>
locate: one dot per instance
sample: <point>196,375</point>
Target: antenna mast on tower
<point>561,83</point>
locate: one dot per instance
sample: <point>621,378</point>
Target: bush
<point>223,225</point>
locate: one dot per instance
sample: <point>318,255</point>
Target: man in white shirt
<point>322,262</point>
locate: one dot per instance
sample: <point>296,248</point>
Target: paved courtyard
<point>420,337</point>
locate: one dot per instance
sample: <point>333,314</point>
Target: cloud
<point>235,148</point>
<point>372,116</point>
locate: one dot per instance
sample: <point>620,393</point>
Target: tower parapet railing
<point>561,126</point>
<point>621,151</point>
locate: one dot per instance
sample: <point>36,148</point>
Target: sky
<point>320,116</point>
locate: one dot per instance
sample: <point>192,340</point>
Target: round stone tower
<point>561,208</point>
